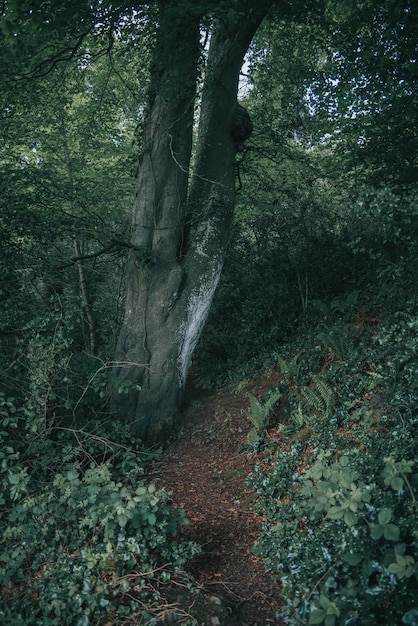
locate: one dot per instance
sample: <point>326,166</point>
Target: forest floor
<point>205,471</point>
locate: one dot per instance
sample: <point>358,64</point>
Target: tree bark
<point>87,316</point>
<point>181,222</point>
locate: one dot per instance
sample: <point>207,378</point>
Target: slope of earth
<point>206,475</point>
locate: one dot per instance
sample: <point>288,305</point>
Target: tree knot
<point>241,126</point>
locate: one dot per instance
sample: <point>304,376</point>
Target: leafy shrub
<point>260,412</point>
<point>339,487</point>
<point>73,535</point>
<point>83,535</point>
<point>290,258</point>
<point>345,547</point>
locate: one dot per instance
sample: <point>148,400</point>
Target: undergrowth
<point>335,312</point>
<point>86,539</point>
<point>337,481</point>
<point>79,544</point>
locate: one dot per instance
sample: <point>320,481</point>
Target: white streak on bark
<point>198,306</point>
<point>206,232</point>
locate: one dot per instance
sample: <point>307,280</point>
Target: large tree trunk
<point>181,227</point>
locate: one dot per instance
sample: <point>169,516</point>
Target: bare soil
<point>206,472</point>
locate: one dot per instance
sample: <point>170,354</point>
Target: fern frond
<point>256,412</point>
<point>290,370</point>
<point>272,400</point>
<point>299,426</point>
<point>259,412</point>
<point>338,341</point>
<point>241,386</point>
<point>314,400</point>
<point>320,398</point>
<point>297,421</point>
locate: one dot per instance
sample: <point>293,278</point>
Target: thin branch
<point>105,366</point>
<point>54,60</point>
<point>94,255</point>
<point>107,443</point>
<point>113,248</point>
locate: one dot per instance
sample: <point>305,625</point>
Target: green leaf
<point>403,567</point>
<point>350,518</point>
<point>384,516</point>
<point>336,512</point>
<point>317,616</point>
<point>391,532</point>
<point>122,520</point>
<point>400,548</point>
<point>396,483</point>
<point>353,558</point>
<point>152,520</point>
<point>411,617</point>
<point>376,531</point>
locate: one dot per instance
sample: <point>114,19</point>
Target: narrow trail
<point>206,476</point>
